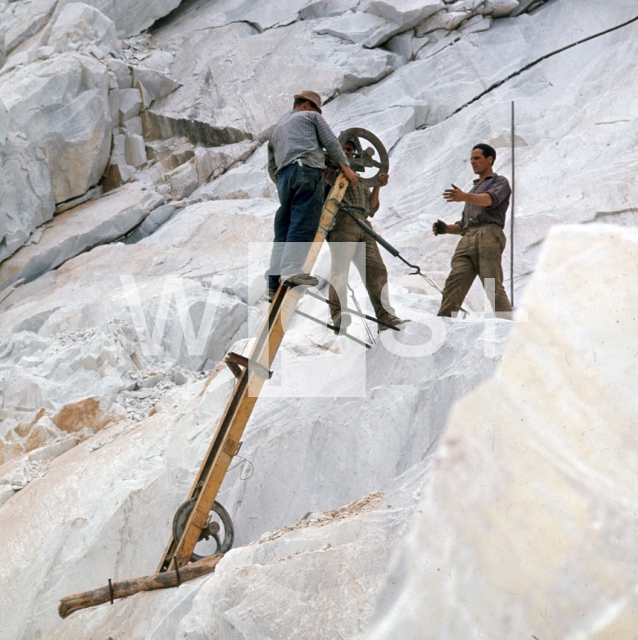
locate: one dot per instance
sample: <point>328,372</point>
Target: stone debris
<point>352,509</point>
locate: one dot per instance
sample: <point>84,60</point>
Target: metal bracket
<point>235,360</point>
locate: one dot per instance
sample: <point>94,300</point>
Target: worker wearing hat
<point>295,164</point>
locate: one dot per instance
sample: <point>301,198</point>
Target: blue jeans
<point>301,191</point>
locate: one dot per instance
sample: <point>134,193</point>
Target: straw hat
<point>313,97</point>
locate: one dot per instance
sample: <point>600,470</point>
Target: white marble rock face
<point>62,106</point>
<point>346,503</point>
<point>25,192</point>
<point>131,16</point>
<point>79,24</point>
<point>531,490</point>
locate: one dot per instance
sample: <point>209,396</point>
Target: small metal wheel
<point>370,157</point>
<point>211,530</point>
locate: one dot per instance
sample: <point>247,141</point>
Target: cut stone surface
<point>243,182</point>
<point>402,44</point>
<point>79,229</point>
<point>201,241</point>
<point>130,16</point>
<point>248,180</point>
<point>476,24</point>
<point>213,162</point>
<point>26,197</point>
<point>134,126</point>
<point>455,76</point>
<point>567,79</point>
<point>130,104</point>
<point>202,15</point>
<point>365,28</point>
<point>500,8</point>
<point>153,221</point>
<point>529,493</point>
<point>183,180</point>
<point>404,13</point>
<point>442,20</point>
<point>24,19</point>
<point>327,8</point>
<point>79,25</point>
<point>121,71</point>
<point>223,117</point>
<point>135,150</point>
<point>369,528</point>
<point>62,106</point>
<point>153,84</point>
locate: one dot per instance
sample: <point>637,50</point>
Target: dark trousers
<point>478,253</point>
<point>300,192</point>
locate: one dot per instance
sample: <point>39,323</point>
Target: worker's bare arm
<point>374,196</point>
<point>349,173</point>
<point>456,195</point>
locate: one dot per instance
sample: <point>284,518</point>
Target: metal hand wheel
<point>374,156</point>
<point>211,530</point>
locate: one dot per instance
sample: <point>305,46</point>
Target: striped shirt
<point>359,198</point>
<point>302,135</point>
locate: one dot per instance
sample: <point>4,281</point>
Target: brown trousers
<point>478,253</point>
<point>364,252</point>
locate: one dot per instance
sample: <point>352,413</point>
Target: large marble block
<point>62,106</point>
<point>531,495</point>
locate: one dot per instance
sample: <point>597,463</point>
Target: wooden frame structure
<point>172,569</point>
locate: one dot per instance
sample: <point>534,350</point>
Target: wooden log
<point>117,590</point>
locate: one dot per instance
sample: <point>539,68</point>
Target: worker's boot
<point>299,280</point>
<point>341,323</point>
<point>391,319</point>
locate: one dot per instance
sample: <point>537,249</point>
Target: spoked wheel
<point>374,156</point>
<point>221,542</point>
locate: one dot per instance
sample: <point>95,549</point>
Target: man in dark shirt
<point>296,164</point>
<point>480,249</point>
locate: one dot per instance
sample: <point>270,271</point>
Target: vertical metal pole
<point>512,214</point>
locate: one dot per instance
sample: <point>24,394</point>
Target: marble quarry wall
<point>466,479</point>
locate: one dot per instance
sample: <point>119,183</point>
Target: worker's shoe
<point>341,323</point>
<point>391,319</point>
<point>299,280</point>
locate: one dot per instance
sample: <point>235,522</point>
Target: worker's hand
<point>454,195</point>
<point>439,228</point>
<point>383,179</point>
<point>351,175</point>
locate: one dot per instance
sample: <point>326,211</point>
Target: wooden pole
<point>116,590</point>
<point>242,401</point>
<point>512,212</point>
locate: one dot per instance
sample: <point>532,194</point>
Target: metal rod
<point>356,304</point>
<point>512,211</point>
<point>395,252</point>
<point>111,590</point>
<point>335,329</point>
<point>352,311</point>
